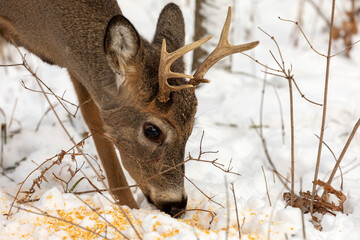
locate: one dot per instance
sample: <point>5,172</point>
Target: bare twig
<point>58,98</point>
<point>322,130</point>
<point>227,209</point>
<point>266,186</point>
<point>352,134</point>
<point>289,77</point>
<point>236,209</point>
<point>267,154</point>
<point>335,158</point>
<point>302,32</point>
<point>59,157</point>
<point>43,116</point>
<point>302,213</point>
<point>40,84</point>
<point>311,46</point>
<point>262,105</point>
<point>12,113</point>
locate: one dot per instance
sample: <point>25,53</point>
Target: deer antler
<point>166,59</point>
<point>223,49</point>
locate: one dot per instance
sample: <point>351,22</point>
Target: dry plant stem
<point>324,109</point>
<point>261,64</point>
<point>44,214</point>
<point>302,213</point>
<point>311,46</point>
<point>303,95</point>
<point>202,192</point>
<point>43,116</point>
<point>59,158</point>
<point>306,38</point>
<point>189,158</point>
<point>266,186</point>
<point>267,154</point>
<point>28,68</point>
<point>284,74</point>
<point>288,76</point>
<point>169,168</point>
<point>335,158</point>
<point>353,132</point>
<point>292,135</point>
<point>58,98</point>
<point>12,65</point>
<point>236,209</point>
<point>12,113</point>
<point>227,209</point>
<point>262,105</point>
<point>2,138</point>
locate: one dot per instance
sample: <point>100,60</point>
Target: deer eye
<point>153,133</point>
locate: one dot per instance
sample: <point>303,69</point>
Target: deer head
<point>154,116</point>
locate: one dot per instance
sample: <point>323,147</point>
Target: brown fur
<point>99,48</point>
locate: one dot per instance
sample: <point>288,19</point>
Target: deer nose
<point>174,209</point>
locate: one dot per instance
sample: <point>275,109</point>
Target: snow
<point>227,107</point>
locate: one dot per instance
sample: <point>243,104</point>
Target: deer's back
<point>67,33</point>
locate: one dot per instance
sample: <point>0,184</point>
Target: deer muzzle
<point>174,206</point>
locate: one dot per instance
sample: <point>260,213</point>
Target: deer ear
<point>121,43</point>
<point>170,27</point>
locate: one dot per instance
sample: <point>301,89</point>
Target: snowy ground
<point>226,110</point>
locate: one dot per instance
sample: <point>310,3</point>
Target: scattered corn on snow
<point>100,216</point>
<point>226,107</point>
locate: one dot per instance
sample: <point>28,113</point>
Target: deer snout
<point>175,208</point>
<point>171,204</point>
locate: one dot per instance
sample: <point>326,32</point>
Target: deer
<point>133,93</point>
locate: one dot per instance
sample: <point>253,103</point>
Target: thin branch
<point>28,68</point>
<point>304,35</point>
<point>303,95</point>
<point>352,134</point>
<point>311,46</point>
<point>322,130</point>
<point>268,157</point>
<point>335,158</point>
<point>302,213</point>
<point>236,209</point>
<point>59,158</point>
<point>266,186</point>
<point>12,113</point>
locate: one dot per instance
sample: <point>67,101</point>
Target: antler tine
<point>223,49</point>
<point>166,59</point>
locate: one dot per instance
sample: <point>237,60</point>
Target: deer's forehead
<point>183,109</point>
